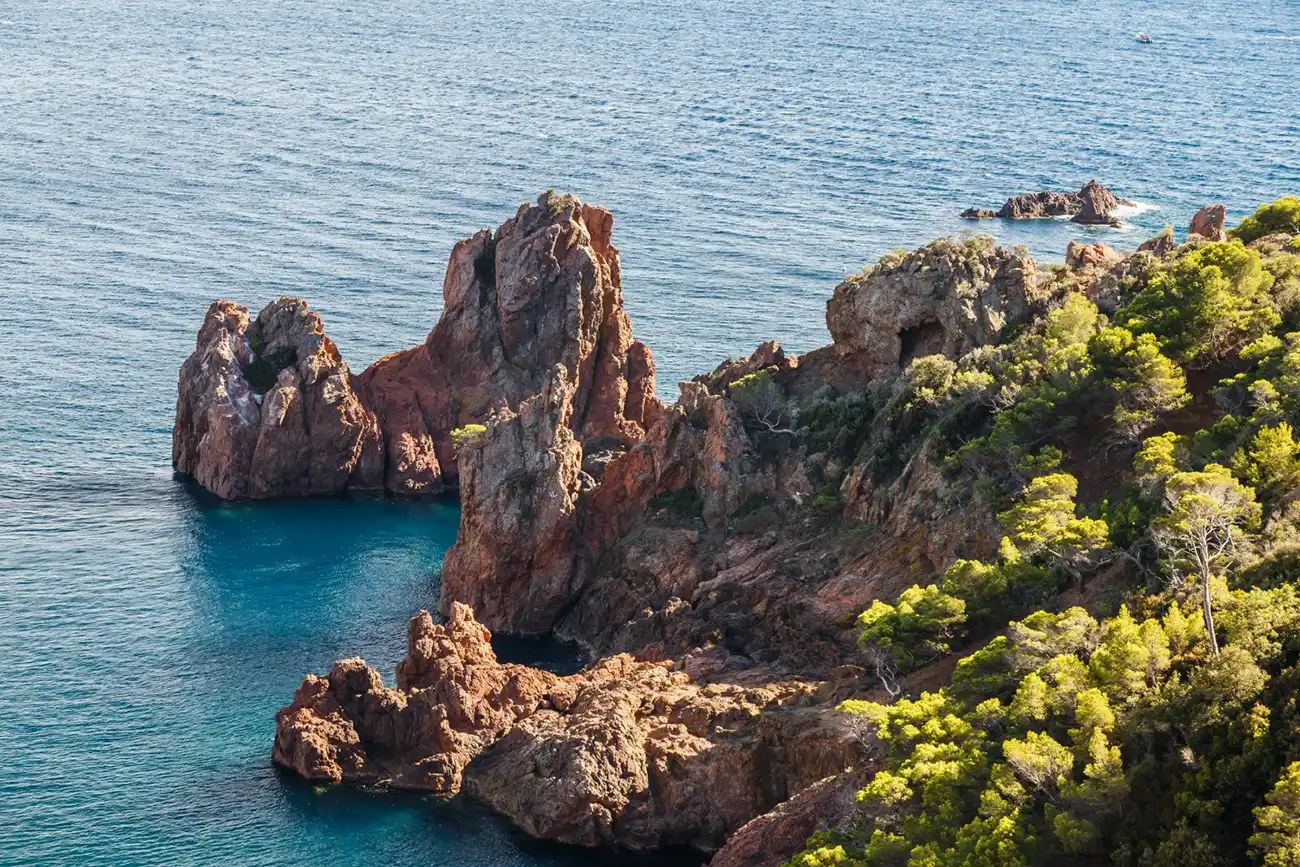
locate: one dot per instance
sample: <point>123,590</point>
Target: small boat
<point>1144,39</point>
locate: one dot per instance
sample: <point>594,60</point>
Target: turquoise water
<point>156,154</point>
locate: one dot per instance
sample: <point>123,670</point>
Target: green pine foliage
<point>1166,734</point>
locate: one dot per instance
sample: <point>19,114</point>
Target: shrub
<point>1205,304</point>
<point>1280,216</point>
<point>469,436</point>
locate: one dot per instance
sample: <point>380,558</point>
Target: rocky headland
<point>712,556</point>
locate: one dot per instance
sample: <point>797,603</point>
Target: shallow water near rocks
<point>158,154</point>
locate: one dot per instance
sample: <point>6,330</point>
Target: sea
<point>158,154</point>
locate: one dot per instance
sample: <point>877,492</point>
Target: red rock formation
<point>648,759</point>
<point>773,838</point>
<point>1092,205</point>
<point>543,289</point>
<point>1208,222</point>
<point>1079,256</point>
<point>452,699</point>
<point>515,559</point>
<point>626,752</point>
<point>266,409</point>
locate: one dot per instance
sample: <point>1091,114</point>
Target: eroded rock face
<point>948,297</point>
<point>544,289</point>
<point>775,837</point>
<point>1208,222</point>
<point>266,408</point>
<point>647,759</point>
<point>515,559</point>
<point>452,699</point>
<point>631,753</point>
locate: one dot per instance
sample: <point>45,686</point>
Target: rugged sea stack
<point>715,557</point>
<point>268,408</point>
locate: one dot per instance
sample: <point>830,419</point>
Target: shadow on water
<point>456,823</point>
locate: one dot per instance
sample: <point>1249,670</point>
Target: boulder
<point>1079,256</point>
<point>947,297</point>
<point>1097,206</point>
<point>978,214</point>
<point>1208,223</point>
<point>516,560</point>
<point>267,408</point>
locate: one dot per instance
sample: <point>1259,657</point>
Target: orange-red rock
<point>543,289</point>
<point>452,699</point>
<point>516,560</point>
<point>1208,222</point>
<point>266,408</point>
<point>627,752</point>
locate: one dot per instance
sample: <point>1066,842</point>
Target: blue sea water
<point>157,154</point>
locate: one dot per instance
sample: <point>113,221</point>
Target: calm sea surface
<point>157,155</point>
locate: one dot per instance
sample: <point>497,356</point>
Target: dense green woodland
<point>1163,728</point>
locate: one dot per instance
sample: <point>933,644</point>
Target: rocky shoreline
<point>712,555</point>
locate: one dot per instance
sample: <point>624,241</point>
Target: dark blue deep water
<point>157,154</point>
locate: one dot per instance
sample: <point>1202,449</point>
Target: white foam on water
<point>1134,209</point>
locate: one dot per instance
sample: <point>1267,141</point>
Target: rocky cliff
<point>544,289</point>
<point>947,297</point>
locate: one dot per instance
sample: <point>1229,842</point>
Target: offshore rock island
<point>925,595</point>
<point>268,409</point>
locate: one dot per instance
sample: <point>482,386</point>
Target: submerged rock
<point>267,409</point>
